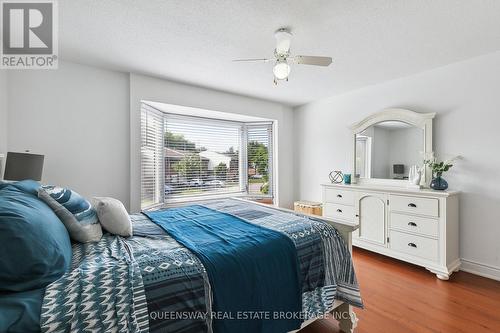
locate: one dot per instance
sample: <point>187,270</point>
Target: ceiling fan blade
<point>253,60</point>
<point>313,60</point>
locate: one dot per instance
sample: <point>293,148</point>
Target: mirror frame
<point>420,120</point>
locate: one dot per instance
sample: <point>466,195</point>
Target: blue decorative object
<point>347,178</point>
<point>438,168</point>
<point>438,183</point>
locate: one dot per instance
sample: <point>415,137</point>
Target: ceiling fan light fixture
<point>281,70</point>
<point>282,58</point>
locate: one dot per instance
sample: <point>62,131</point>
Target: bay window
<point>187,158</point>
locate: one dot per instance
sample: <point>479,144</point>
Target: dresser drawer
<point>338,211</point>
<point>414,205</point>
<point>420,225</point>
<point>414,245</point>
<point>339,196</point>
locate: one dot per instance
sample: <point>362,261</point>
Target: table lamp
<point>21,166</point>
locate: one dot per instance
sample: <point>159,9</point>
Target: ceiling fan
<point>282,57</point>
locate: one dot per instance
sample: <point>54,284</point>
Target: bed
<point>155,281</point>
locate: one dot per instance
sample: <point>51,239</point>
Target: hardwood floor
<point>400,297</point>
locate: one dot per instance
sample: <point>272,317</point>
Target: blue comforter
<point>253,270</point>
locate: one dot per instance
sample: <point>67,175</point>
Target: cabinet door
<point>372,211</point>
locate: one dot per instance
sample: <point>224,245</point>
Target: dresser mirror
<point>388,143</point>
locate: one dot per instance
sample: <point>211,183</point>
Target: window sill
<point>176,202</point>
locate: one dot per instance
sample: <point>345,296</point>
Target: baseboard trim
<point>477,268</point>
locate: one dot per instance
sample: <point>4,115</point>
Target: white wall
<point>3,119</point>
<point>77,116</point>
<point>466,98</point>
<point>3,113</point>
<point>157,90</point>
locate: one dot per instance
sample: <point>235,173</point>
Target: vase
<point>438,183</point>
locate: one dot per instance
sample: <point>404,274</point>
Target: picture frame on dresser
<point>416,225</point>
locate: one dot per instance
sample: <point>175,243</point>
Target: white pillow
<point>113,216</point>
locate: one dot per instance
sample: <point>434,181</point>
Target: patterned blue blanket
<point>103,291</point>
<point>150,282</point>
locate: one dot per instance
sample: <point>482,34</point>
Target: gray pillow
<point>82,232</point>
<point>113,216</point>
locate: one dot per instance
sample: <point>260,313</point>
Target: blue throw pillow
<point>74,202</point>
<point>28,186</point>
<point>20,311</point>
<point>35,248</point>
<point>75,212</point>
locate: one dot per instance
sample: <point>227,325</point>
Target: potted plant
<point>438,168</point>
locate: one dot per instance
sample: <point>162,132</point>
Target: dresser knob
<point>412,224</point>
<point>339,195</point>
<point>412,205</point>
<point>339,210</point>
<point>412,245</point>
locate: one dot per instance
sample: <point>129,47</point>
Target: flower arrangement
<point>438,168</point>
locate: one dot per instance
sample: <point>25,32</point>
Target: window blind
<point>202,156</point>
<point>152,129</point>
<point>259,159</point>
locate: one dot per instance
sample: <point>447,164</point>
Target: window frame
<point>367,141</point>
<point>159,169</point>
<point>243,161</point>
<point>271,159</point>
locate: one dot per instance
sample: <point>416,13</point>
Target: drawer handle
<point>339,195</point>
<point>412,224</point>
<point>412,205</point>
<point>412,245</point>
<point>339,210</point>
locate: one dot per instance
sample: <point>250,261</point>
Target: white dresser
<point>416,226</point>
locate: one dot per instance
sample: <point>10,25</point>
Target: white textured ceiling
<point>195,41</point>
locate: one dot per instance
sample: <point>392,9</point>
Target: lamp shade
<point>398,169</point>
<point>281,70</point>
<point>21,166</point>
